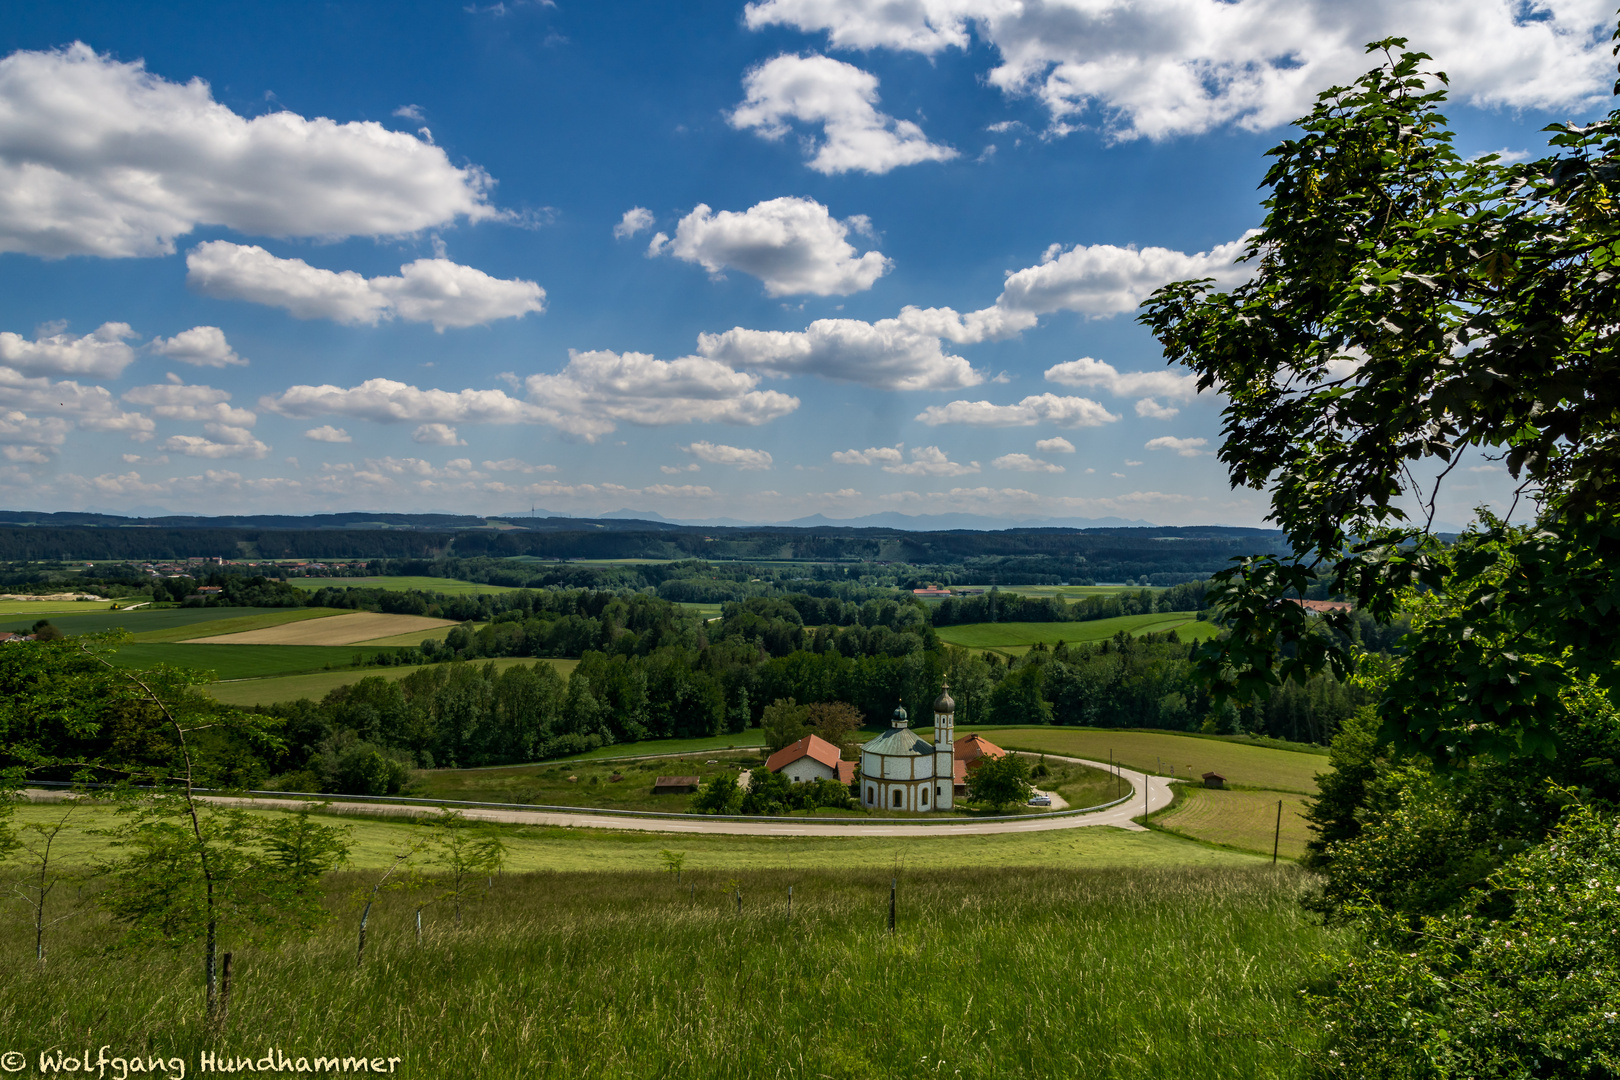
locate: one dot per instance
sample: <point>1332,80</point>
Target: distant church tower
<point>944,750</point>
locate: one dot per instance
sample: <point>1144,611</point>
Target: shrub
<point>1528,993</point>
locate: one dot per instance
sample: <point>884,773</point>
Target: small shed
<point>675,785</point>
<point>1214,780</point>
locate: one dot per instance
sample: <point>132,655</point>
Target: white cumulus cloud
<point>328,434</point>
<point>437,435</point>
<point>1174,67</point>
<point>219,441</point>
<point>1055,445</point>
<point>872,455</point>
<point>100,354</point>
<point>180,401</point>
<point>1025,463</point>
<point>635,219</point>
<point>1095,373</point>
<point>795,246</point>
<point>889,354</point>
<point>931,461</point>
<point>437,291</point>
<point>1035,409</point>
<point>201,346</point>
<point>840,98</point>
<point>1184,447</point>
<point>736,456</point>
<point>101,157</point>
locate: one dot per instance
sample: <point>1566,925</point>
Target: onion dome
<point>945,704</point>
<point>899,716</point>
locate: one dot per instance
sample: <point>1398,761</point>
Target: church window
<point>870,796</point>
<point>897,796</point>
<point>925,796</point>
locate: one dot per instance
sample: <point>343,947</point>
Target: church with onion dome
<point>900,770</point>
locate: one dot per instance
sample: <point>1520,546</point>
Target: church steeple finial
<point>899,719</point>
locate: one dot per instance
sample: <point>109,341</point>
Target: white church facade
<point>900,770</point>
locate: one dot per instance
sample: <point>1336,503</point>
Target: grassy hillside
<point>317,684</point>
<point>87,619</point>
<point>245,661</point>
<point>1047,972</point>
<point>1017,637</point>
<point>1160,752</point>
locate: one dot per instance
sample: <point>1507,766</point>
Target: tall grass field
<point>1106,973</point>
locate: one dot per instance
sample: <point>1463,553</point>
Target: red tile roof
<point>811,746</point>
<point>970,748</point>
<point>846,772</point>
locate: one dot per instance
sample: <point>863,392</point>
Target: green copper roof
<point>896,741</point>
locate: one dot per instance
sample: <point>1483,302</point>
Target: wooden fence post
<point>894,885</point>
<point>1276,840</point>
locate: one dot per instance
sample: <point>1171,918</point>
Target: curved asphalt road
<point>1158,797</point>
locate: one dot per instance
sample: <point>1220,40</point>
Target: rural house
<point>811,758</point>
<point>974,748</point>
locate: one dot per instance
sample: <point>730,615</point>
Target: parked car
<point>1040,800</point>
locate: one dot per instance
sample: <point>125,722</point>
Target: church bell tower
<point>944,750</point>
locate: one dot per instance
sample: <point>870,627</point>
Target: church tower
<point>944,750</point>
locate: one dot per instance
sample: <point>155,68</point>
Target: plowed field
<point>337,630</point>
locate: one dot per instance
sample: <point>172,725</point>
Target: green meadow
<point>315,685</point>
<point>1017,637</point>
<point>248,661</point>
<point>1095,954</point>
<point>88,619</point>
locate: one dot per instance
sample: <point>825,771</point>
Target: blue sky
<point>707,260</point>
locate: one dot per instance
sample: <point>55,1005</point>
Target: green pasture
<point>1068,592</point>
<point>379,830</point>
<point>1247,820</point>
<point>703,611</point>
<point>593,784</point>
<point>230,623</point>
<point>730,741</point>
<point>86,619</point>
<point>1096,954</point>
<point>449,586</point>
<point>316,685</point>
<point>1017,637</point>
<point>1159,753</point>
<point>37,608</point>
<point>247,661</point>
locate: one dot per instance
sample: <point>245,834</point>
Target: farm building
<point>811,758</point>
<point>675,785</point>
<point>974,748</point>
<point>1214,780</point>
<point>901,771</point>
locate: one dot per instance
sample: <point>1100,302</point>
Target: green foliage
<point>1408,307</point>
<point>999,782</point>
<point>773,794</point>
<point>189,871</point>
<point>784,723</point>
<point>719,795</point>
<point>464,851</point>
<point>1483,992</point>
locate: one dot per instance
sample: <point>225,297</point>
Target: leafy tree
<point>835,721</point>
<point>784,723</point>
<point>718,795</point>
<point>38,839</point>
<point>999,782</point>
<point>1409,308</point>
<point>466,851</point>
